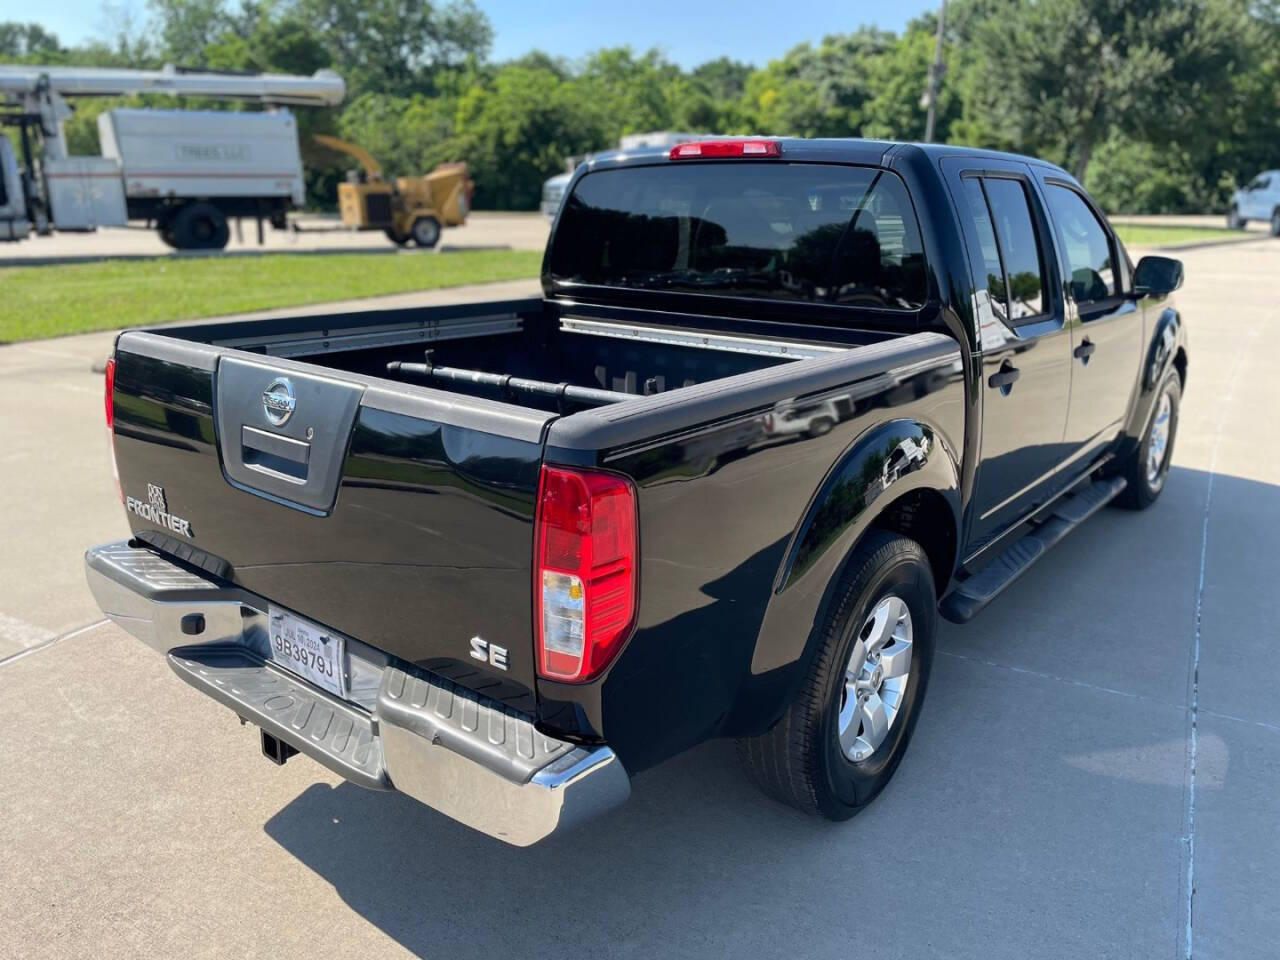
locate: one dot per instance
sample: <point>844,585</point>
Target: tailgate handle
<point>275,455</point>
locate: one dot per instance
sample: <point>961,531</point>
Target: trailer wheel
<point>426,232</point>
<point>199,226</point>
<point>400,240</point>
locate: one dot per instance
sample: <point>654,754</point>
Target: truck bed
<point>398,509</point>
<point>614,351</point>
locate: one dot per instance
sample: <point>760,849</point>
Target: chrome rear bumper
<point>471,758</point>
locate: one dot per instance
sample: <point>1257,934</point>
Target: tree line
<point>1159,106</point>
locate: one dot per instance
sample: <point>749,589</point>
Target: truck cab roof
<point>830,150</point>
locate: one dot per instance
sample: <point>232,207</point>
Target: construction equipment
<point>413,208</point>
<point>184,171</point>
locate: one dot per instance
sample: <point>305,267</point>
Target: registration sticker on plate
<point>308,650</point>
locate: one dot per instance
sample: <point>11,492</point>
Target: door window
<point>1010,247</point>
<point>1086,244</point>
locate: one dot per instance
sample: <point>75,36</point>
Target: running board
<point>970,596</point>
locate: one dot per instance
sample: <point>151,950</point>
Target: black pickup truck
<point>782,402</point>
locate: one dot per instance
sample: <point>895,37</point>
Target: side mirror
<point>1157,277</point>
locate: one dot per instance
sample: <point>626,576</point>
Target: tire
<point>1275,223</point>
<point>802,760</point>
<point>426,232</point>
<point>199,226</point>
<point>1145,482</point>
<point>821,427</point>
<point>1234,220</point>
<point>397,239</point>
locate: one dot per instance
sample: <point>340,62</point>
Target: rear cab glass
<point>806,232</point>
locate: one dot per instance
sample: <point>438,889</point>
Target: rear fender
<point>880,467</point>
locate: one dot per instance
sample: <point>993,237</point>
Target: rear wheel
<point>821,427</point>
<point>426,232</point>
<point>1148,467</point>
<point>841,741</point>
<point>1275,223</point>
<point>199,226</point>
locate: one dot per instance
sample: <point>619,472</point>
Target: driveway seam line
<point>46,644</point>
<point>1253,723</point>
<point>1067,680</point>
<point>1193,734</point>
<point>1215,714</point>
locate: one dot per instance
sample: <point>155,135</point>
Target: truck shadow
<point>698,863</point>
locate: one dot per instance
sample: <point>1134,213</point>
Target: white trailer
<point>184,171</point>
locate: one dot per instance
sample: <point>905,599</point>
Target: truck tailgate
<point>400,516</point>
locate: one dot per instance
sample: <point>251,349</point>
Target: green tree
<point>398,46</point>
<point>185,28</point>
<point>518,131</point>
<point>722,79</point>
<point>20,41</point>
<point>629,90</point>
<point>817,91</point>
<point>1053,77</point>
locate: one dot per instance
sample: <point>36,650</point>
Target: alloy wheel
<point>1159,443</point>
<point>875,680</point>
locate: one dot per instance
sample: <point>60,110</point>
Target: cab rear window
<point>804,232</point>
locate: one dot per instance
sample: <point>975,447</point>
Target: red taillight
<point>703,149</point>
<point>584,572</point>
<point>109,395</point>
<point>109,385</point>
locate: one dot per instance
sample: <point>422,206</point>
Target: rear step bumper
<point>469,757</point>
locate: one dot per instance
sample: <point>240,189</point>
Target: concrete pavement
<point>1094,775</point>
<point>317,234</point>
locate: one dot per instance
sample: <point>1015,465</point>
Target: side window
<point>1086,244</point>
<point>1010,247</point>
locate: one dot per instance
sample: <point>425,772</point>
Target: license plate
<point>308,650</point>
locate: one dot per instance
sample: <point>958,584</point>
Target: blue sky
<point>754,31</point>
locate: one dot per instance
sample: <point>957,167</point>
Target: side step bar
<point>970,596</point>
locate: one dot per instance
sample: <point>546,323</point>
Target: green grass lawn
<point>51,301</point>
<point>1155,235</point>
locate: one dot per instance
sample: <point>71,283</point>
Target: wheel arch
<point>1180,364</point>
<point>1166,349</point>
<point>916,494</point>
<point>925,516</point>
<point>899,475</point>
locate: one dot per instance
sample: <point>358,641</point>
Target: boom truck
<point>183,171</point>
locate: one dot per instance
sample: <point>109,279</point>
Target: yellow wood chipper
<point>412,208</point>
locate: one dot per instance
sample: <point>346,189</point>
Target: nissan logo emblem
<point>278,402</point>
